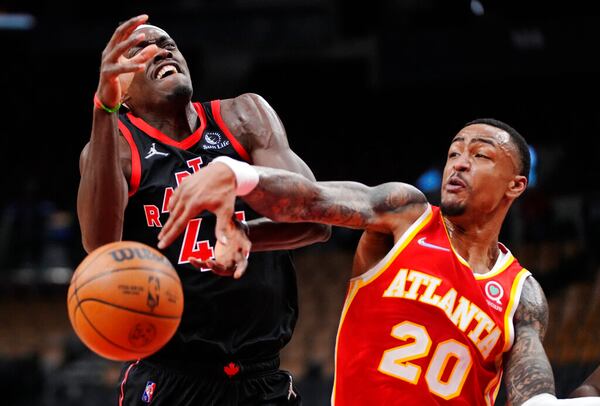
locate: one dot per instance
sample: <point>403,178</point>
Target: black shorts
<point>143,383</point>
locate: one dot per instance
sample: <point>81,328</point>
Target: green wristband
<point>100,106</point>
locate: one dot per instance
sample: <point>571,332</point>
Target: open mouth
<point>166,71</point>
<point>455,183</point>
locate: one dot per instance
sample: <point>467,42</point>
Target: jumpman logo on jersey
<point>153,152</point>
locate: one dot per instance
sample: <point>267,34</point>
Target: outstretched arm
<point>258,127</point>
<point>288,197</point>
<point>528,374</point>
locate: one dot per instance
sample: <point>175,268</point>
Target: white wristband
<point>245,175</point>
<point>546,399</point>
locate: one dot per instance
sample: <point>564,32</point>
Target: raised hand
<point>231,259</point>
<point>116,70</point>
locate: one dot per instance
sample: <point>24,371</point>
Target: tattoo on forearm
<point>528,371</point>
<point>294,198</point>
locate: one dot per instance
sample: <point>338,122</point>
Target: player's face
<point>166,75</point>
<point>481,171</point>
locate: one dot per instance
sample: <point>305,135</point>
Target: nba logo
<point>149,392</point>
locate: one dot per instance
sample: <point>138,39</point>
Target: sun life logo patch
<point>214,140</point>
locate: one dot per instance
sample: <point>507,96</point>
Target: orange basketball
<point>125,300</point>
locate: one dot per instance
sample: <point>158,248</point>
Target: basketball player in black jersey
<point>226,349</point>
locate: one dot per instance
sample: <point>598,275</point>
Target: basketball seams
<point>104,337</point>
<point>102,279</point>
<point>136,268</point>
<point>84,267</point>
<point>129,309</point>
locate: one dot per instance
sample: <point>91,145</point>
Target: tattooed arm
<point>285,197</point>
<point>528,371</point>
<point>288,197</point>
<point>529,378</point>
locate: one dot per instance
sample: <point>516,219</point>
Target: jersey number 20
<point>443,383</point>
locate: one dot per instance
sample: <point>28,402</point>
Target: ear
<point>516,186</point>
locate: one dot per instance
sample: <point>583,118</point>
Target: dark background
<point>368,91</point>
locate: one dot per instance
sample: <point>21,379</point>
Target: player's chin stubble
<point>181,91</point>
<point>452,209</point>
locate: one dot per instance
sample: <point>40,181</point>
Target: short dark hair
<point>517,139</point>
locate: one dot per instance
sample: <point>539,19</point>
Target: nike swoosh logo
<point>423,243</point>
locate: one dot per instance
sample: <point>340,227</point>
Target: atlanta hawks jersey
<point>421,328</point>
<point>223,319</point>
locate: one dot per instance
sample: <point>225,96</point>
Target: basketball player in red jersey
<point>442,316</point>
<point>226,350</point>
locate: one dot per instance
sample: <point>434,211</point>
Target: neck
<point>175,121</point>
<point>476,241</point>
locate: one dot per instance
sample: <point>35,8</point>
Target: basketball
<point>125,300</point>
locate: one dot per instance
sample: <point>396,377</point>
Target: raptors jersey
<point>223,319</point>
<point>421,328</point>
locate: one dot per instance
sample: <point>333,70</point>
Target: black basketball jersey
<point>223,318</point>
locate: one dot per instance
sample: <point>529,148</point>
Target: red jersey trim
<point>122,395</point>
<point>239,148</point>
<point>491,392</point>
<point>186,143</point>
<point>513,303</point>
<point>371,275</point>
<point>493,387</point>
<point>136,164</point>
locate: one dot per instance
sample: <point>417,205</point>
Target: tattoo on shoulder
<point>533,307</point>
<point>528,371</point>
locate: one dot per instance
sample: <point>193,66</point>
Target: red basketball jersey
<point>421,328</point>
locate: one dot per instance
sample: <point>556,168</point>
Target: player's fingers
<point>215,267</point>
<point>115,70</point>
<point>174,200</point>
<point>197,262</point>
<point>175,207</point>
<point>118,50</point>
<point>124,30</point>
<point>146,54</point>
<point>200,264</point>
<point>222,271</point>
<point>172,228</point>
<point>240,268</point>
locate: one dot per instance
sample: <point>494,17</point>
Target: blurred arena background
<point>368,91</point>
